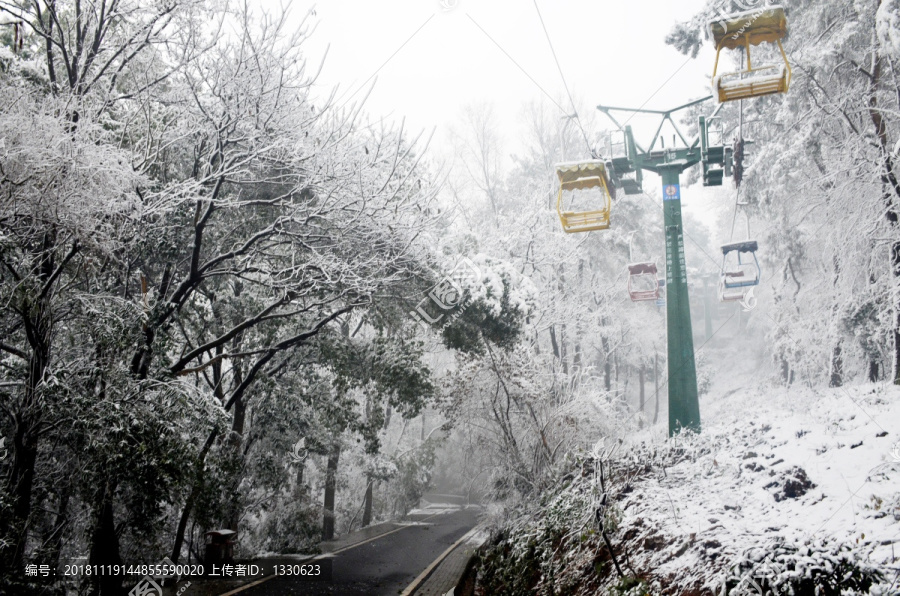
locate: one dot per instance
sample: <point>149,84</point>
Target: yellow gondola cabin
<point>743,30</point>
<point>584,176</point>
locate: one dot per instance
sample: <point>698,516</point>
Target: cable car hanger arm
<point>666,115</point>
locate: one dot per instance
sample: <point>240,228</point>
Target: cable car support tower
<point>626,174</point>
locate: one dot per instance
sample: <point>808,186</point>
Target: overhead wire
<point>658,89</point>
<point>737,195</point>
<point>734,216</point>
<point>574,115</point>
<point>519,66</point>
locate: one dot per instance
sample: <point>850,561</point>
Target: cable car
<point>643,285</point>
<point>584,176</point>
<point>747,29</point>
<point>740,270</point>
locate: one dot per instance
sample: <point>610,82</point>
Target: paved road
<point>385,565</point>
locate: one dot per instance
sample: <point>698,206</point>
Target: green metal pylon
<point>684,403</point>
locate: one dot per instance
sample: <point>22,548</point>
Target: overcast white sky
<point>611,52</point>
<point>431,59</point>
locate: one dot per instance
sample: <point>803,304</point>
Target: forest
<point>229,300</point>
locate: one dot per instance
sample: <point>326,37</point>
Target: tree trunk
<point>559,348</point>
<point>330,485</point>
<point>786,375</point>
<point>300,468</point>
<point>895,264</point>
<point>54,538</point>
<point>563,352</point>
<point>367,507</point>
<point>238,418</point>
<point>235,440</point>
<point>616,368</point>
<point>22,480</point>
<point>641,405</point>
<point>607,365</point>
<point>890,191</point>
<point>183,520</point>
<point>38,323</point>
<point>873,375</point>
<point>837,367</point>
<point>240,413</point>
<point>105,545</point>
<point>200,465</point>
<point>656,381</point>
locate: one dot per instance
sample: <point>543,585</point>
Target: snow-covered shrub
<point>703,374</point>
<point>412,479</point>
<point>816,568</point>
<point>536,551</point>
<point>292,528</point>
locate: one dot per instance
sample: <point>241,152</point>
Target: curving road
<point>384,565</point>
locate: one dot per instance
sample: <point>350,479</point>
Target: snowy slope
<point>798,467</point>
<point>786,491</point>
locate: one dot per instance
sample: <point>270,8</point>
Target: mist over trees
<point>220,291</point>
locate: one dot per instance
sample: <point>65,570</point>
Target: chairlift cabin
<point>742,30</point>
<point>740,270</point>
<point>643,284</point>
<point>586,185</point>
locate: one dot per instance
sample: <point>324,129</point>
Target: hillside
<point>786,491</point>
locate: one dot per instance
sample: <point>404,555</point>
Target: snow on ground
<point>799,467</point>
<point>787,490</point>
<point>781,465</point>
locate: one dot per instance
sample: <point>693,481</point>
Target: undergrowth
<point>554,545</point>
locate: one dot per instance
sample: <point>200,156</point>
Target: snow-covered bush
<point>815,567</point>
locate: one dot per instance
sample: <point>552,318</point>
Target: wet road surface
<point>385,565</point>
